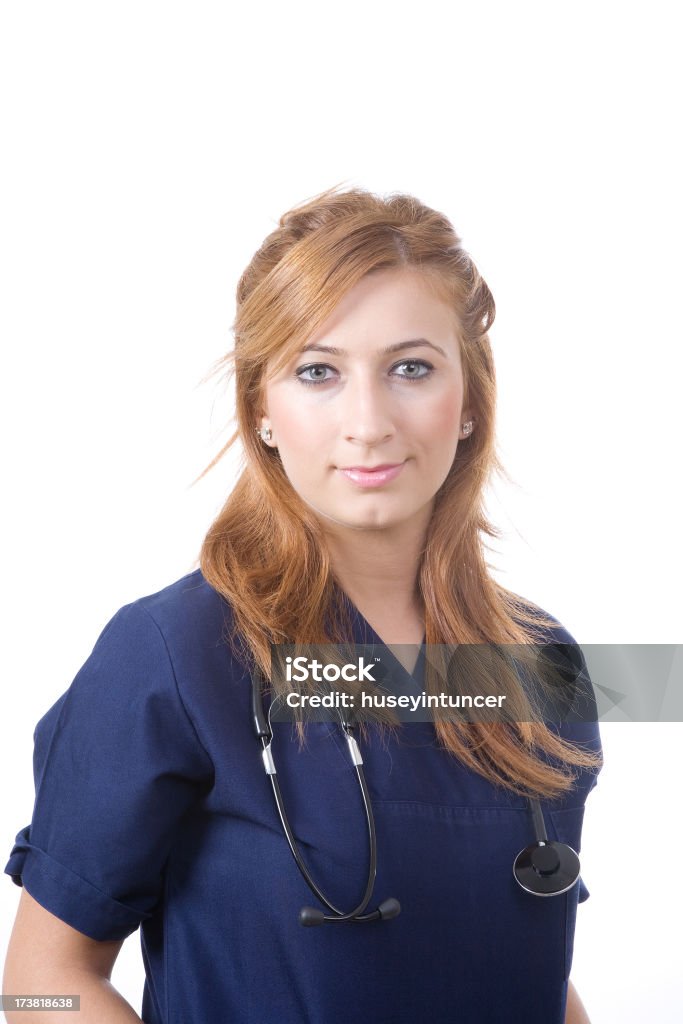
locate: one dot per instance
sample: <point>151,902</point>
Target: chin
<point>376,521</point>
<point>366,519</point>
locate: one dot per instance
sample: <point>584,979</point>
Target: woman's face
<point>379,384</point>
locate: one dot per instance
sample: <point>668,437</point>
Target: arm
<point>46,956</point>
<point>575,1012</point>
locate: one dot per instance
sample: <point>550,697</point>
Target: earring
<point>467,428</point>
<point>265,432</point>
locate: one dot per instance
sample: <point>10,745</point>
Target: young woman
<point>365,402</point>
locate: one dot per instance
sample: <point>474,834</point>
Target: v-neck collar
<point>363,633</point>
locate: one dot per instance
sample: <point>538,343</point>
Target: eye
<point>413,364</point>
<point>308,369</point>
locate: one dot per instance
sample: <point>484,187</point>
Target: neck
<point>378,567</point>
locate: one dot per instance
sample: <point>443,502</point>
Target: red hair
<point>265,540</point>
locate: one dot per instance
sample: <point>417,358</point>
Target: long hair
<point>266,540</point>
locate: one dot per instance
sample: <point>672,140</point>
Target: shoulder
<point>187,617</point>
<point>548,627</point>
<point>188,604</point>
<point>553,635</point>
<point>166,647</point>
<point>178,621</point>
<point>185,625</point>
<point>575,714</point>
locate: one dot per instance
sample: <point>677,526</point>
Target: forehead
<point>388,306</point>
<point>384,308</point>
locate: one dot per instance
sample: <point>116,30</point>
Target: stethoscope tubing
<point>545,868</point>
<point>372,871</point>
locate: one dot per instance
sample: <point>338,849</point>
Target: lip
<point>372,477</point>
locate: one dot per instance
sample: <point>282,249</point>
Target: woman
<point>365,396</point>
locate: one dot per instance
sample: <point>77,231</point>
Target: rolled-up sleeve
<point>117,765</point>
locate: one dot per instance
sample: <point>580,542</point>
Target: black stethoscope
<point>545,868</point>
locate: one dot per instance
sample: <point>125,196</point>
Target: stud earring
<point>265,433</point>
<point>467,428</point>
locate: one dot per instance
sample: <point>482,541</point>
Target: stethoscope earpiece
<point>547,868</point>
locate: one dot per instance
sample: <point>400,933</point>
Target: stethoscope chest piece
<point>547,868</point>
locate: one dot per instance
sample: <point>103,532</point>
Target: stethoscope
<point>544,868</point>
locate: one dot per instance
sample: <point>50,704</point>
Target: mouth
<point>373,476</point>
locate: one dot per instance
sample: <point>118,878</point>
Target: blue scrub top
<point>153,810</point>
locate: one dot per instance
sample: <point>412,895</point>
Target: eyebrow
<point>398,347</point>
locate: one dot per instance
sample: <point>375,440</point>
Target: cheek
<point>300,433</point>
<point>296,422</point>
<point>440,419</point>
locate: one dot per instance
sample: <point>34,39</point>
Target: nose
<point>367,411</point>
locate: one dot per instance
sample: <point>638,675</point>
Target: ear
<point>262,406</point>
<point>262,418</point>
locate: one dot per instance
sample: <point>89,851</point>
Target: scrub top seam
<point>167,943</point>
<point>567,969</point>
<point>177,687</point>
<point>470,806</point>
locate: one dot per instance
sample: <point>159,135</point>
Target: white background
<point>148,149</point>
